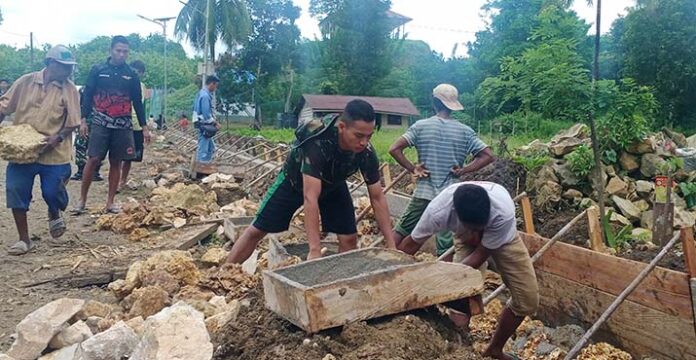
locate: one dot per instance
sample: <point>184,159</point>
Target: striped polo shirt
<point>441,144</point>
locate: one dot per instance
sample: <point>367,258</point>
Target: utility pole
<point>163,23</point>
<point>206,51</point>
<point>31,50</point>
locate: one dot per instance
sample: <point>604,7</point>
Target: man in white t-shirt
<point>482,217</point>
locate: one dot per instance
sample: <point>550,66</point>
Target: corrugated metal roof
<point>398,106</point>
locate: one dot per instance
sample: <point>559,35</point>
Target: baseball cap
<point>449,96</point>
<point>61,54</point>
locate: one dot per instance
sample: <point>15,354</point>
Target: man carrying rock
<point>482,217</point>
<point>443,144</point>
<point>49,102</point>
<point>324,155</point>
<point>112,92</point>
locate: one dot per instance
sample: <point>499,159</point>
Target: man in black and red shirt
<point>111,93</point>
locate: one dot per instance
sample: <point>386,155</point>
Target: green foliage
<point>229,22</point>
<point>531,162</point>
<point>671,166</point>
<point>626,112</point>
<point>658,48</point>
<point>581,161</point>
<point>615,240</point>
<point>609,156</point>
<point>687,188</point>
<point>181,101</point>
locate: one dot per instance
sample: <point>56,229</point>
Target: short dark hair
<point>211,79</point>
<point>472,204</point>
<point>138,66</point>
<point>438,105</point>
<point>5,80</point>
<point>358,110</point>
<point>119,39</point>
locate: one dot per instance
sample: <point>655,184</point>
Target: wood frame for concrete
<point>386,291</point>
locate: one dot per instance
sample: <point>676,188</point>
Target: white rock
<point>137,324</point>
<point>115,343</point>
<point>642,235</point>
<point>219,302</point>
<point>177,332</point>
<point>150,184</point>
<point>627,208</point>
<point>6,357</point>
<point>66,353</point>
<point>162,182</point>
<point>38,328</point>
<point>249,265</point>
<point>644,187</point>
<point>329,357</point>
<point>230,313</point>
<point>683,218</point>
<point>74,334</point>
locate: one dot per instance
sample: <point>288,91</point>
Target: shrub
<point>581,161</point>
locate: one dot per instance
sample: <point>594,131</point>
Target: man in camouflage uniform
<point>314,176</point>
<point>81,145</point>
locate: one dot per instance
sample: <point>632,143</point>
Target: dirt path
<point>95,251</point>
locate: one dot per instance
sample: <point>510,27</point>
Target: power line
<point>436,28</point>
<point>12,33</point>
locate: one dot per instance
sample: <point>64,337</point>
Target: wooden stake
<point>595,230</point>
<point>527,215</point>
<point>539,253</point>
<point>386,173</point>
<point>689,247</point>
<point>619,299</point>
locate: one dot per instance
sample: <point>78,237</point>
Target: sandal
<point>78,210</point>
<point>56,227</point>
<point>20,248</point>
<point>114,209</point>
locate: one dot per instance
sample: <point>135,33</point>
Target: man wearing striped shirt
<point>443,145</point>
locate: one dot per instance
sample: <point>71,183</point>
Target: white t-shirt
<point>440,215</point>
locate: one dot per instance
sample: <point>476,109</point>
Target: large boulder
<point>651,164</point>
<point>644,188</point>
<point>121,288</point>
<point>177,332</point>
<point>627,208</point>
<point>566,177</point>
<point>115,343</point>
<point>548,194</point>
<point>177,263</point>
<point>644,146</point>
<point>617,186</point>
<point>629,162</point>
<point>38,328</point>
<point>215,256</point>
<point>642,235</point>
<point>146,301</point>
<point>94,308</point>
<point>66,353</point>
<point>567,141</point>
<point>74,334</point>
<point>683,218</point>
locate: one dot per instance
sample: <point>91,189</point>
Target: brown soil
<point>672,260</point>
<point>260,334</point>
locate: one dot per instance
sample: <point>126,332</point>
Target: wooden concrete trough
<point>278,254</point>
<point>363,284</point>
<point>235,226</point>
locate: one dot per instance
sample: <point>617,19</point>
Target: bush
<point>581,161</point>
<point>625,113</point>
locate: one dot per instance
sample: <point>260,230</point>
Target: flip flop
<point>78,210</point>
<point>513,355</point>
<point>112,210</point>
<point>56,227</point>
<point>20,248</point>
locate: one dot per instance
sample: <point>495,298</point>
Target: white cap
<point>449,96</point>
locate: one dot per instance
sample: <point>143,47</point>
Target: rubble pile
<point>629,185</point>
<point>20,143</point>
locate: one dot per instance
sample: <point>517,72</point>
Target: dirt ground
<point>81,252</point>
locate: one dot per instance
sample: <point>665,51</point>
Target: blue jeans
<point>206,148</point>
<point>20,182</point>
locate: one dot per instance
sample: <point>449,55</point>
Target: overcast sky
<point>440,23</point>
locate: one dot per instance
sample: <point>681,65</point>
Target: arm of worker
<point>311,189</point>
<point>8,101</point>
<point>137,99</point>
<point>397,152</point>
<point>431,222</point>
<point>481,159</point>
<point>477,257</point>
<point>88,99</point>
<point>379,204</point>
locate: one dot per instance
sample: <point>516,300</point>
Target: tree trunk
<point>593,130</point>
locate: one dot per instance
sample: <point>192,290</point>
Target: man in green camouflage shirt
<point>315,176</point>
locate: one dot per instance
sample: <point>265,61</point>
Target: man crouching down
<point>324,155</point>
<point>482,217</point>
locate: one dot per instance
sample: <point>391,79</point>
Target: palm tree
<point>229,22</point>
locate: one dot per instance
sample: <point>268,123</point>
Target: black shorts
<point>118,143</point>
<point>281,202</point>
<point>139,140</point>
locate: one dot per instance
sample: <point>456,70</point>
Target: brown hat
<point>449,96</point>
<point>61,54</point>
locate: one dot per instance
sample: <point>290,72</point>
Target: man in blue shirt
<point>204,120</point>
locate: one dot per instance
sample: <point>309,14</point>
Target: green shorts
<point>409,219</point>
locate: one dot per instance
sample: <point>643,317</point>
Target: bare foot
<point>499,355</point>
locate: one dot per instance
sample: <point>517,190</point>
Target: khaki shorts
<point>515,267</point>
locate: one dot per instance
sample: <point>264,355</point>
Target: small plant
<point>581,161</point>
<point>615,240</point>
<point>609,156</point>
<point>688,190</point>
<point>531,163</point>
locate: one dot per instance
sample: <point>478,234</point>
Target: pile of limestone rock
<point>629,182</point>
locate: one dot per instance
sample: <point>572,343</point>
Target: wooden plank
<point>640,330</point>
<point>689,247</point>
<point>595,230</point>
<point>285,297</point>
<point>235,226</point>
<point>388,292</point>
<point>189,236</point>
<point>663,290</point>
<point>693,299</point>
<point>527,215</point>
<point>663,215</point>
